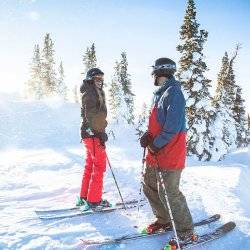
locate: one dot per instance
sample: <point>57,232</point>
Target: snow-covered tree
<point>248,129</point>
<point>223,122</point>
<point>239,114</point>
<point>142,120</point>
<point>121,97</point>
<point>89,58</point>
<point>61,86</point>
<point>115,96</point>
<point>191,73</point>
<point>34,84</point>
<point>75,94</point>
<point>48,66</point>
<point>238,107</point>
<point>124,80</point>
<point>230,120</point>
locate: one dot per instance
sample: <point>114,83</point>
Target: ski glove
<point>86,133</point>
<point>103,137</point>
<point>146,139</point>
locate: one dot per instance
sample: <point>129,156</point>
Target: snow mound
<point>38,124</point>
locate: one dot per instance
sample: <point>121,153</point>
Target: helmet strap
<point>157,81</point>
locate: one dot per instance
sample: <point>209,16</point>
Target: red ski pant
<point>95,166</point>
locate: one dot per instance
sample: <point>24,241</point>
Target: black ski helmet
<point>164,67</point>
<point>93,72</point>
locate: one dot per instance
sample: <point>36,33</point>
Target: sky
<point>144,29</point>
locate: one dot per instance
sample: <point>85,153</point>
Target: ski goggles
<point>98,78</point>
<point>163,66</point>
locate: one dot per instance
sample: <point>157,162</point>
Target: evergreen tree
<point>248,129</point>
<point>239,114</point>
<point>115,96</point>
<point>238,108</point>
<point>195,85</point>
<point>61,86</point>
<point>48,64</point>
<point>75,94</point>
<point>121,98</point>
<point>223,122</point>
<point>230,111</point>
<point>89,58</point>
<point>222,82</point>
<point>124,80</point>
<point>141,126</point>
<point>34,84</point>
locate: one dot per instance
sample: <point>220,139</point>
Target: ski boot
<point>101,205</point>
<point>80,201</point>
<point>96,206</point>
<point>156,227</point>
<point>169,247</point>
<point>184,238</point>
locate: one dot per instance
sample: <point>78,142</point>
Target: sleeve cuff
<point>153,149</point>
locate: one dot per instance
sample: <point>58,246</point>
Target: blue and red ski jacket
<point>167,125</point>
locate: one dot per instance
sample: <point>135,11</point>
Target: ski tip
<point>230,225</point>
<point>85,242</point>
<point>217,216</point>
<point>45,218</point>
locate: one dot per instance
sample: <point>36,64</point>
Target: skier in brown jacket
<point>93,135</point>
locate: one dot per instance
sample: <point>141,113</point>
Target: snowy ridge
<point>41,165</point>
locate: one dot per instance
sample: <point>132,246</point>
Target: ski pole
<point>167,201</point>
<point>116,182</point>
<point>142,170</point>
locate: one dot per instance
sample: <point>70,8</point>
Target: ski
<point>202,239</point>
<point>75,208</point>
<point>136,236</point>
<point>88,212</point>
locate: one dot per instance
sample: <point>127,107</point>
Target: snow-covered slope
<point>41,163</point>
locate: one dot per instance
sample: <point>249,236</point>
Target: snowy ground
<point>41,163</point>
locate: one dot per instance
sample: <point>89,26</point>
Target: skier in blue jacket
<point>165,140</point>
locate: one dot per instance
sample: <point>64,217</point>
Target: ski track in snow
<point>41,166</point>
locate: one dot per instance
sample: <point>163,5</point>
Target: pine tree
<point>34,84</point>
<point>238,108</point>
<point>124,80</point>
<point>248,129</point>
<point>48,64</point>
<point>115,95</point>
<point>223,122</point>
<point>141,125</point>
<point>121,98</point>
<point>222,82</point>
<point>230,121</point>
<point>239,114</point>
<point>195,85</point>
<point>89,58</point>
<point>61,86</point>
<point>75,94</point>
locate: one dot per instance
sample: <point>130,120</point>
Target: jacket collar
<point>165,85</point>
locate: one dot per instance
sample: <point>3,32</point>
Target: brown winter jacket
<point>93,110</point>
